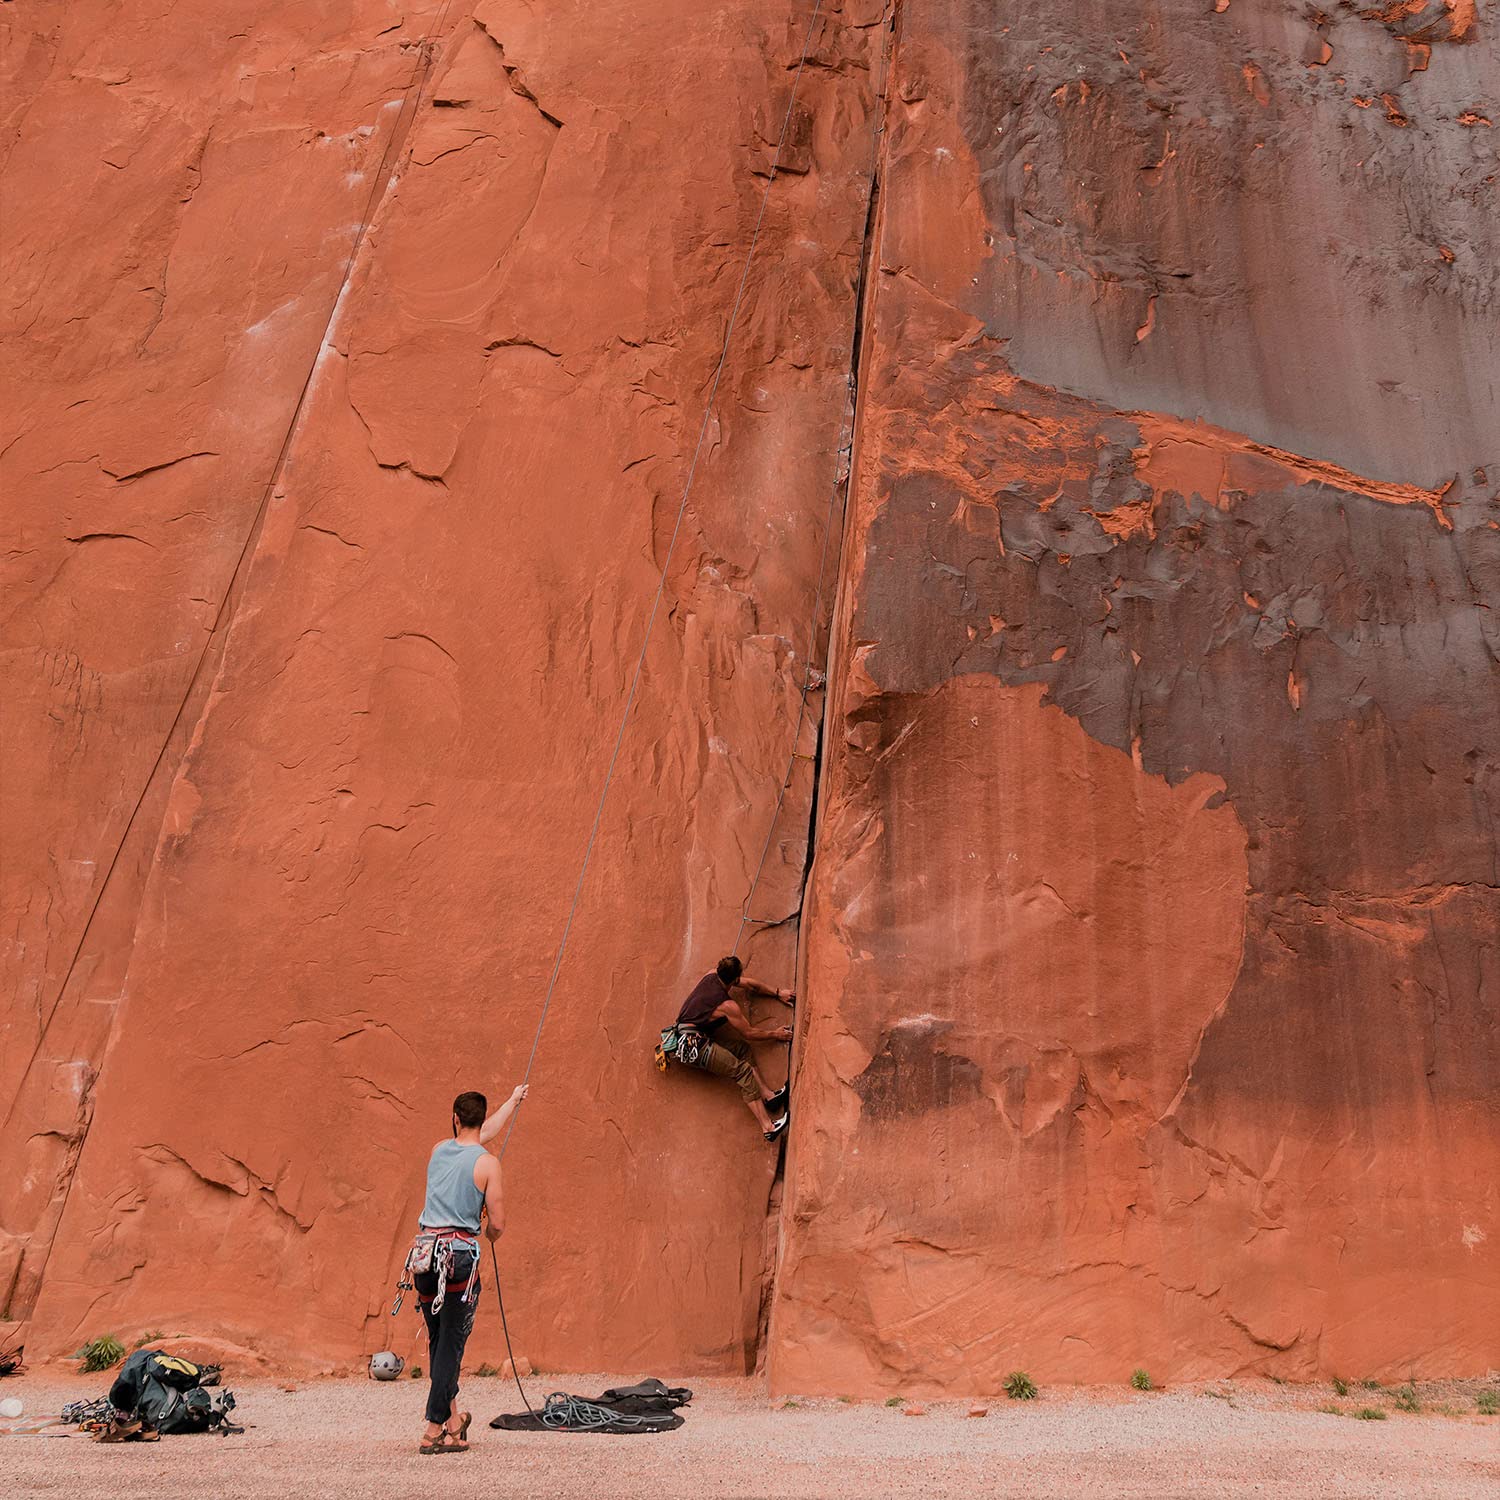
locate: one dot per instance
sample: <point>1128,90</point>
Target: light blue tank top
<point>452,1198</point>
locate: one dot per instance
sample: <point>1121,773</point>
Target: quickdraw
<point>433,1250</point>
<point>684,1044</point>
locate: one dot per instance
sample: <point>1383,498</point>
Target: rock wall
<point>1154,946</point>
<point>1150,961</point>
<point>364,367</point>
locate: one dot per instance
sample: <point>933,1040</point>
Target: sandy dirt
<point>357,1438</point>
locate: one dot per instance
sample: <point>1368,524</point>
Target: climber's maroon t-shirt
<point>699,1007</point>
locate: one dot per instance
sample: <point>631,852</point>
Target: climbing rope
<point>515,1374</point>
<point>808,673</point>
<point>661,585</point>
<point>843,477</point>
<point>561,1410</point>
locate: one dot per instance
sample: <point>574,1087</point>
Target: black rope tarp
<point>648,1406</point>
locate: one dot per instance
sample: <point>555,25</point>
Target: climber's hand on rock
<point>783,1033</point>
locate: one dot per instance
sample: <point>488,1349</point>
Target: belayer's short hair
<point>729,969</point>
<point>471,1108</point>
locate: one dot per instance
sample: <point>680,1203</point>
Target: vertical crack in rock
<point>863,292</point>
<point>1149,921</point>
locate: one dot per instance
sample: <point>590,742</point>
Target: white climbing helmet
<point>386,1366</point>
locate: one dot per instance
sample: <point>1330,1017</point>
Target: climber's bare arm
<point>739,1023</point>
<point>487,1180</point>
<point>764,991</point>
<point>501,1118</point>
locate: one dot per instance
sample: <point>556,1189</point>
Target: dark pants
<point>448,1331</point>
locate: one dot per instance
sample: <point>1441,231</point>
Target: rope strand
<point>661,585</point>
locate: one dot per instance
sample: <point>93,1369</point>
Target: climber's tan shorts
<point>731,1059</point>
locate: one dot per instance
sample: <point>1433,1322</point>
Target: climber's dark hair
<point>729,969</point>
<point>471,1108</point>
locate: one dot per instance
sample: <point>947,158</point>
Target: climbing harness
<point>434,1250</point>
<point>684,1044</point>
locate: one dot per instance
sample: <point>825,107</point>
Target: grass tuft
<point>1340,1387</point>
<point>1019,1386</point>
<point>896,1401</point>
<point>1371,1385</point>
<point>1406,1398</point>
<point>1369,1414</point>
<point>148,1338</point>
<point>1487,1403</point>
<point>101,1353</point>
<point>1140,1380</point>
<point>415,1372</point>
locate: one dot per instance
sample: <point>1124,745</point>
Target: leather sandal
<point>444,1442</point>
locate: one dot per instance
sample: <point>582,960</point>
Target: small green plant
<point>845,1400</point>
<point>1140,1380</point>
<point>1277,1379</point>
<point>101,1353</point>
<point>790,1405</point>
<point>896,1401</point>
<point>1370,1385</point>
<point>1340,1387</point>
<point>416,1372</point>
<point>1369,1414</point>
<point>486,1371</point>
<point>148,1338</point>
<point>1019,1386</point>
<point>1487,1403</point>
<point>1329,1409</point>
<point>1406,1398</point>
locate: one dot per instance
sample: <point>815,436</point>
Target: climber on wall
<point>463,1181</point>
<point>712,1033</point>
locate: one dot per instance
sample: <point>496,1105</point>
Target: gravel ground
<point>357,1438</point>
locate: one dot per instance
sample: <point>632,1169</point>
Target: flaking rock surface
<point>1152,942</point>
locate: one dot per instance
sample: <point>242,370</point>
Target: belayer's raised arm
<point>501,1118</point>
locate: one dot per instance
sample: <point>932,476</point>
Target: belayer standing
<point>712,1033</point>
<point>463,1181</point>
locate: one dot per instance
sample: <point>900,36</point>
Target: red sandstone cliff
<point>1150,971</point>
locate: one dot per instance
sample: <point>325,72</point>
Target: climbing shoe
<point>778,1128</point>
<point>777,1101</point>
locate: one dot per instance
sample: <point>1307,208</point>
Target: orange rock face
<point>1150,964</point>
<point>387,350</point>
<point>1152,948</point>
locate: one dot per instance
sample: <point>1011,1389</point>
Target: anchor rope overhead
<point>661,585</point>
<point>843,477</point>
